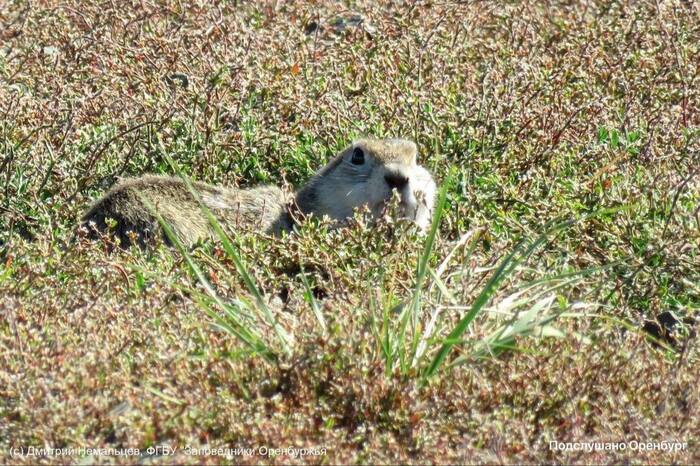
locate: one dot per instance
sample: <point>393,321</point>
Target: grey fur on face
<point>364,174</point>
<point>388,164</point>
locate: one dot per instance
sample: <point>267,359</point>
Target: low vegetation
<point>554,300</point>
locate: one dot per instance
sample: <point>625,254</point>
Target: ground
<point>362,344</point>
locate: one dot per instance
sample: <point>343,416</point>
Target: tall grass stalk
<point>311,301</point>
<point>508,265</point>
<point>235,321</point>
<point>421,351</point>
<point>234,325</point>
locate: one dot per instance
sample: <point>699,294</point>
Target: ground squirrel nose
<point>396,181</point>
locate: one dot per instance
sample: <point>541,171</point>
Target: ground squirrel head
<point>365,174</point>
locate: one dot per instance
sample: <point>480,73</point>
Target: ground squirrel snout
<point>364,174</point>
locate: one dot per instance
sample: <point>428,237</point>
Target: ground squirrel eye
<point>358,157</point>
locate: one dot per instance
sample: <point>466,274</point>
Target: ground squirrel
<point>364,174</point>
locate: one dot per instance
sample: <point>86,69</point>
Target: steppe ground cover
<point>528,112</point>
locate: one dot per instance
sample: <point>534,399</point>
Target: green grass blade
<point>411,311</point>
<point>309,297</point>
<point>504,269</point>
<point>249,337</point>
<point>232,253</point>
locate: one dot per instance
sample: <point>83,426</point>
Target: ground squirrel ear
<point>358,156</point>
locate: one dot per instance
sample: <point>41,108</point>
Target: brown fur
<point>390,150</point>
<point>263,209</point>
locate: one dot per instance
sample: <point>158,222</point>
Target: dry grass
<point>533,112</point>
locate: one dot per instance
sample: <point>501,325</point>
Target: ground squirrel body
<point>364,174</point>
